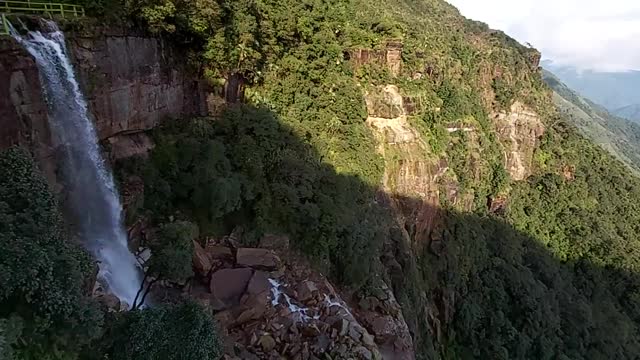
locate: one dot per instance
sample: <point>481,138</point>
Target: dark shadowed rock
<point>228,285</point>
<point>259,283</point>
<point>219,252</point>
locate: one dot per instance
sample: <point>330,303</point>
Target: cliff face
<point>132,83</point>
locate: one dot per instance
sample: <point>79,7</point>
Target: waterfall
<point>90,191</point>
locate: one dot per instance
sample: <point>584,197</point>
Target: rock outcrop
<point>132,83</point>
<point>410,173</point>
<point>23,111</point>
<point>272,305</point>
<point>390,57</point>
<point>520,130</point>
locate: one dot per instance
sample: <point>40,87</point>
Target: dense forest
<point>552,274</point>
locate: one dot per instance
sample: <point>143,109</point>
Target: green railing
<point>4,27</point>
<point>36,8</point>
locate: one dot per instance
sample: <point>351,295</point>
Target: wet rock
<point>228,285</point>
<point>354,332</point>
<point>342,326</point>
<point>257,258</point>
<point>305,290</point>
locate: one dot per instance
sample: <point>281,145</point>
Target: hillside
<point>631,112</point>
<point>612,90</point>
<point>619,136</point>
<point>369,180</point>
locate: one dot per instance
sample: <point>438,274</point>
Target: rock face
<point>520,129</point>
<point>390,57</point>
<point>131,82</point>
<point>410,173</point>
<point>23,112</point>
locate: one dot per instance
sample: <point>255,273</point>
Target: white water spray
<point>300,313</point>
<point>92,196</point>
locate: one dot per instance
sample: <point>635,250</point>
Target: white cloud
<point>600,35</point>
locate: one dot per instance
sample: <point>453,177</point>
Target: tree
<point>43,273</point>
<point>171,256</point>
<point>171,332</point>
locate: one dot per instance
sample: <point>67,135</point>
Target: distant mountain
<point>612,90</point>
<point>619,136</point>
<point>631,112</point>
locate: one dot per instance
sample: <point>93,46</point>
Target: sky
<point>600,35</point>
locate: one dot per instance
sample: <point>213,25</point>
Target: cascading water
<point>91,193</point>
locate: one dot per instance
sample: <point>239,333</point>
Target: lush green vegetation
<point>175,332</point>
<point>246,169</point>
<point>554,276</point>
<point>43,308</point>
<point>45,281</point>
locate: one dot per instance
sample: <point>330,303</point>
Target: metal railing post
<point>37,7</point>
<point>5,25</point>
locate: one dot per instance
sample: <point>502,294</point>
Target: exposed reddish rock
<point>519,129</point>
<point>228,285</point>
<point>390,57</point>
<point>257,258</point>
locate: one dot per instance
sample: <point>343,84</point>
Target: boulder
<point>306,290</point>
<point>257,258</point>
<point>342,325</point>
<point>219,252</point>
<point>111,302</point>
<point>259,283</point>
<point>201,261</point>
<point>228,285</point>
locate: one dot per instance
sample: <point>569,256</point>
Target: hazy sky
<point>589,34</point>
